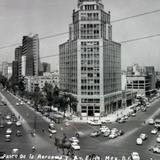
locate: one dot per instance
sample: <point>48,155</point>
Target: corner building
<point>90,62</point>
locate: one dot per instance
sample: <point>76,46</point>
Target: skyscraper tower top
<point>86,2</point>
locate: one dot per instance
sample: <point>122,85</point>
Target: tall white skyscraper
<point>90,62</point>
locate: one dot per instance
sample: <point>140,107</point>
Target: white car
<point>18,124</point>
<point>21,103</point>
<point>113,135</point>
<point>7,137</point>
<point>151,121</point>
<point>143,136</point>
<point>104,129</point>
<point>154,131</point>
<point>133,114</point>
<point>28,102</point>
<point>155,149</point>
<point>9,131</point>
<point>139,141</point>
<point>8,117</point>
<point>135,156</point>
<point>158,139</point>
<point>114,130</point>
<point>53,131</point>
<point>9,122</point>
<point>75,146</point>
<point>67,124</point>
<point>94,122</point>
<point>17,104</point>
<point>73,140</point>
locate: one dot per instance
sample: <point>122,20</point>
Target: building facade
<point>15,76</point>
<point>30,50</point>
<point>18,59</point>
<point>90,62</point>
<point>37,81</point>
<point>7,69</point>
<point>141,79</point>
<point>46,67</point>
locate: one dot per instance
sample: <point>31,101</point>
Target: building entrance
<point>90,111</point>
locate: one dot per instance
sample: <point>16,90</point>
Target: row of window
<point>90,93</point>
<point>95,81</point>
<point>85,87</point>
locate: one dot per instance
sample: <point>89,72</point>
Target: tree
<point>72,102</point>
<point>21,87</point>
<point>48,90</point>
<point>63,103</point>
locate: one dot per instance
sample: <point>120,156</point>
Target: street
<point>121,146</point>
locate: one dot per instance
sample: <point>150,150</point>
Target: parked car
<point>19,133</point>
<point>95,134</point>
<point>120,133</point>
<point>9,122</point>
<point>7,137</point>
<point>122,120</point>
<point>135,156</point>
<point>151,121</point>
<point>9,131</point>
<point>75,146</point>
<point>104,129</point>
<point>73,140</point>
<point>106,134</point>
<point>8,117</point>
<point>17,104</point>
<point>94,122</point>
<point>155,149</point>
<point>154,131</point>
<point>143,136</point>
<point>113,135</point>
<point>18,124</point>
<point>158,139</point>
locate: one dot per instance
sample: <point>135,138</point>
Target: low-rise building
<point>140,79</point>
<point>37,81</point>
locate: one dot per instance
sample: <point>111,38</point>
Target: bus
<point>157,123</point>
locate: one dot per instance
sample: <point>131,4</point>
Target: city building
<point>30,55</point>
<point>54,75</point>
<point>32,82</point>
<point>15,76</point>
<point>7,69</point>
<point>141,79</point>
<point>18,59</point>
<point>90,62</point>
<point>46,67</point>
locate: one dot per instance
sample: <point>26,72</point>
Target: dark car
<point>120,132</point>
<point>19,133</point>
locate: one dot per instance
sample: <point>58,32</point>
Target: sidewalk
<point>110,117</point>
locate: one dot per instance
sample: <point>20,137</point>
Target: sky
<point>49,17</point>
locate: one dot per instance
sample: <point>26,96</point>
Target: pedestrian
<point>43,130</point>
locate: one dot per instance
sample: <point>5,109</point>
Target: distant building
<point>15,73</point>
<point>18,59</point>
<point>54,75</point>
<point>37,81</point>
<point>30,54</point>
<point>7,69</point>
<point>90,61</point>
<point>140,79</point>
<point>46,67</point>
